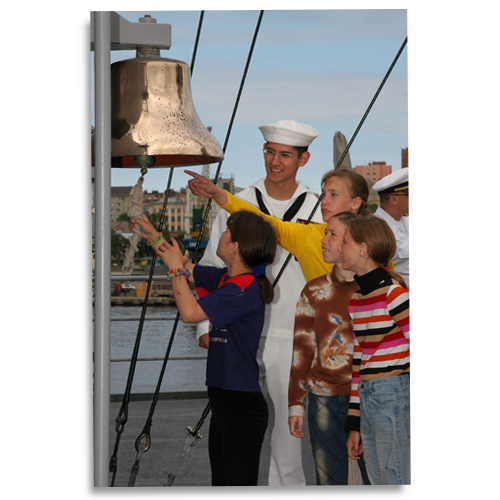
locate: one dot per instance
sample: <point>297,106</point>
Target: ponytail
<point>397,277</point>
<point>266,289</point>
<point>363,209</point>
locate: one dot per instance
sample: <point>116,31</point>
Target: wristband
<point>151,243</point>
<point>177,272</point>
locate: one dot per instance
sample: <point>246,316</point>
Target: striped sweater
<point>380,312</point>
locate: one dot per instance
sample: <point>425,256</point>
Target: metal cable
<point>195,50</point>
<point>145,434</point>
<point>289,256</point>
<point>217,173</point>
<point>121,420</point>
<point>122,417</point>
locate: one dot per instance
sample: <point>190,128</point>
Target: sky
<point>320,67</point>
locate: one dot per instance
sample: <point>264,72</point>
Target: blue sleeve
<point>228,304</point>
<point>207,278</point>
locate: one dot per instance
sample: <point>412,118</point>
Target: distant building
<point>184,212</point>
<point>196,206</point>
<point>373,172</point>
<point>404,158</point>
<point>120,197</point>
<point>175,213</point>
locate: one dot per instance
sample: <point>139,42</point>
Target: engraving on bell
<point>152,113</point>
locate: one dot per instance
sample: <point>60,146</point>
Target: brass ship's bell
<point>152,114</point>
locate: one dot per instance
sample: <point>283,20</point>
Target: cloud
<point>317,67</point>
<point>322,98</point>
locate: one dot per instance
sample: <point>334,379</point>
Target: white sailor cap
<point>289,132</point>
<point>393,183</point>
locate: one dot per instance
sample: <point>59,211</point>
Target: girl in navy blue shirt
<point>233,299</point>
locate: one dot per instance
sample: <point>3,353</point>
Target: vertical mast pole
<point>102,283</point>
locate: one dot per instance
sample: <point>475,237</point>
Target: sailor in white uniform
<point>393,190</point>
<point>280,194</point>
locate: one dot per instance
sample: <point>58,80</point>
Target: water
<point>180,375</point>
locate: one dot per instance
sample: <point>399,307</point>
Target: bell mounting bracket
<point>126,35</point>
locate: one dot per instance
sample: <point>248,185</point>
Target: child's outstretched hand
<point>171,255</point>
<point>149,233</point>
<point>201,186</point>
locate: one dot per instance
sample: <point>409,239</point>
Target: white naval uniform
<point>276,344</point>
<point>401,230</point>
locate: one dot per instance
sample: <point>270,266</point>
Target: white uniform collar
<point>261,186</point>
<point>393,223</point>
<point>380,211</point>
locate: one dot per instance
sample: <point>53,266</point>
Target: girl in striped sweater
<point>379,406</point>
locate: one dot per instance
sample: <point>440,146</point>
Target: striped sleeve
<point>398,305</point>
<point>353,412</point>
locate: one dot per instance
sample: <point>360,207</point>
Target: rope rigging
<point>145,433</point>
<point>122,417</point>
<point>140,445</point>
<point>192,437</point>
<point>136,210</point>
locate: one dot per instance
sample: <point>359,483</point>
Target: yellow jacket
<point>301,240</point>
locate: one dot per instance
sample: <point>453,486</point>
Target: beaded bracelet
<point>151,243</point>
<point>177,272</point>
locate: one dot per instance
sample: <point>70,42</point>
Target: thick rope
<point>136,210</point>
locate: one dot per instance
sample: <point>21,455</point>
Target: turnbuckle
<point>195,434</point>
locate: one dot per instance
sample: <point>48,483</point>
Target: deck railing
<point>135,277</point>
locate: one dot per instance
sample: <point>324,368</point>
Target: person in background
<point>322,362</point>
<point>393,190</point>
<point>233,299</point>
<point>281,195</point>
<point>379,407</point>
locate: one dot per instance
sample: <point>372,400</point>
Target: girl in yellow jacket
<point>344,191</point>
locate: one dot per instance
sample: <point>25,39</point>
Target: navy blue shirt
<point>235,308</point>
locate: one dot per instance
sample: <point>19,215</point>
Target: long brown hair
<point>379,239</point>
<point>356,185</point>
<point>256,243</point>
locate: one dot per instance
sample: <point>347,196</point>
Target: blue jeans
<point>385,429</point>
<point>326,417</point>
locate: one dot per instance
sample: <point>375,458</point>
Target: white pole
<point>102,283</point>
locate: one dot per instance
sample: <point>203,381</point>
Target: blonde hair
<point>379,239</point>
<point>356,185</point>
